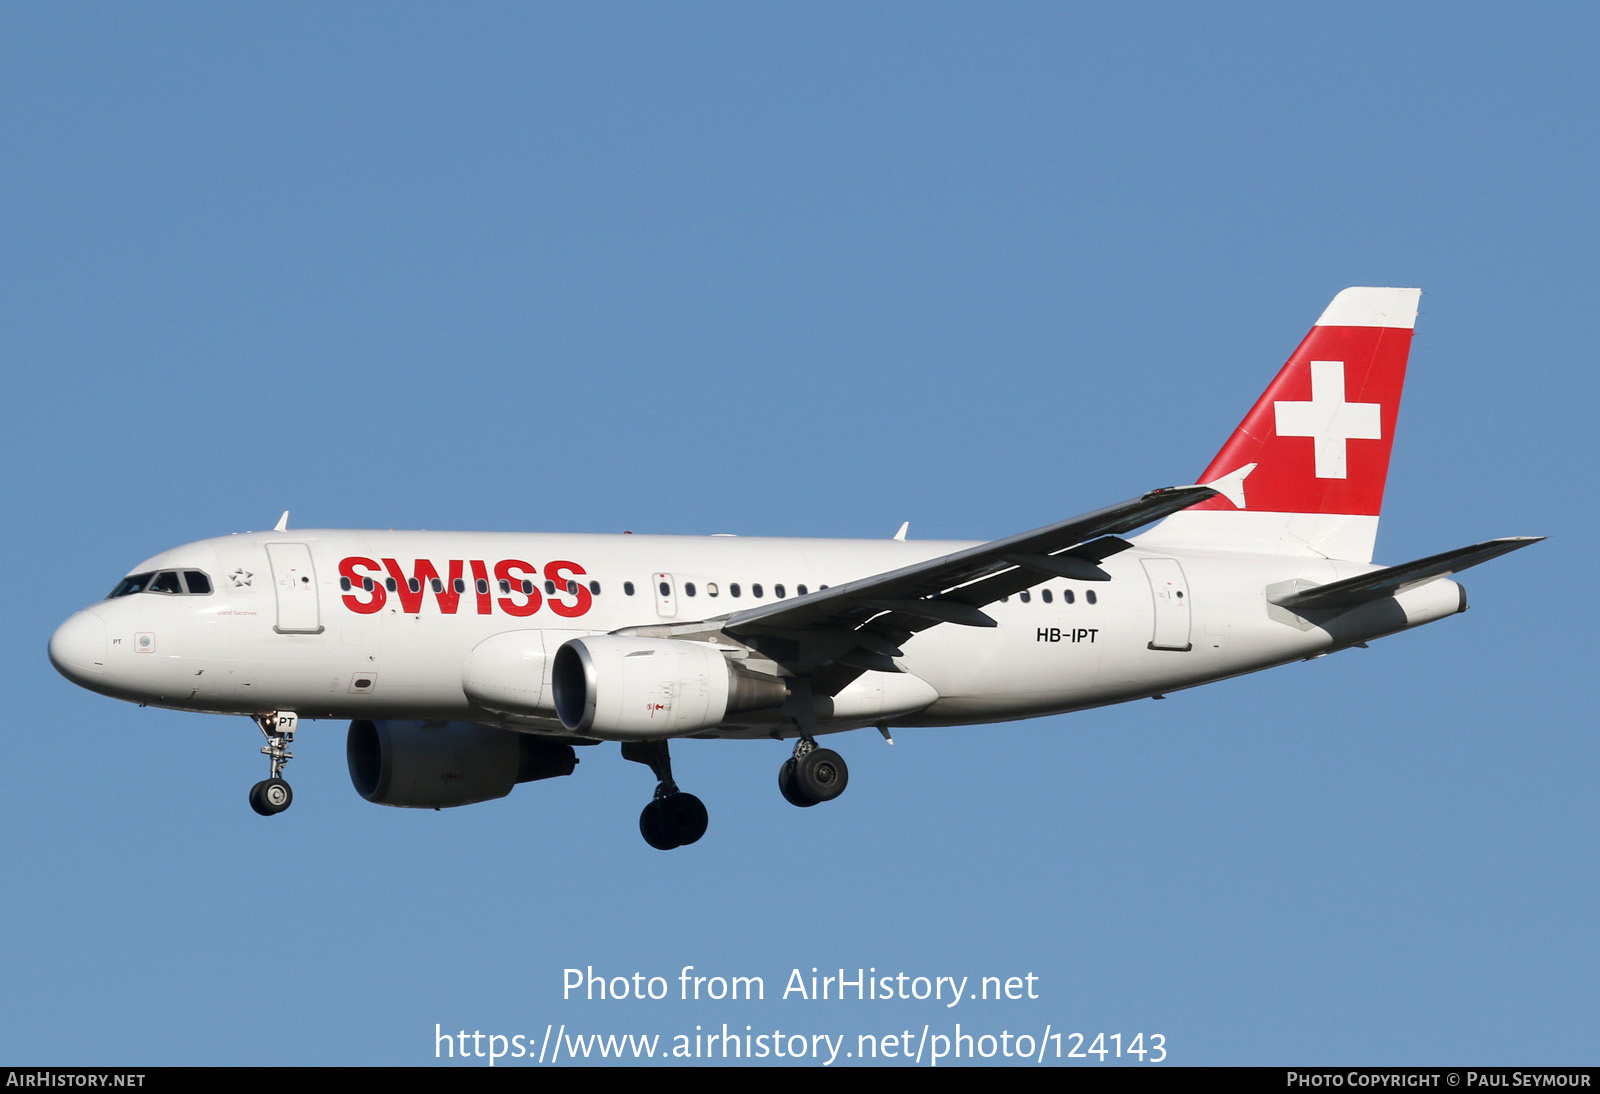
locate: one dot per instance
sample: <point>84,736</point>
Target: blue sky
<point>708,268</point>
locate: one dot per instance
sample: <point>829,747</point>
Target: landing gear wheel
<point>787,788</point>
<point>651,828</point>
<point>271,797</point>
<point>686,817</point>
<point>676,820</point>
<point>673,818</point>
<point>820,775</point>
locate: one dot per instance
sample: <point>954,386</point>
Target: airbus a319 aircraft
<point>468,663</point>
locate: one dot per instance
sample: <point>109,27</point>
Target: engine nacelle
<point>435,765</point>
<point>623,688</point>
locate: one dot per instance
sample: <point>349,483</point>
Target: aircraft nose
<point>78,648</point>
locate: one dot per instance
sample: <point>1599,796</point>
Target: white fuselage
<point>296,627</point>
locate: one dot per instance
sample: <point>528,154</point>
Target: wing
<point>834,634</point>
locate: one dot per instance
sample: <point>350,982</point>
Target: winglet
<point>901,534</point>
<point>283,523</point>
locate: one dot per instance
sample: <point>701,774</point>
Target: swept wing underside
<point>832,635</point>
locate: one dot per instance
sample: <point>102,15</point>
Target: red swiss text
<point>510,585</point>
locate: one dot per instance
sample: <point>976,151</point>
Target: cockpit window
<point>133,583</point>
<point>192,582</point>
<point>166,582</point>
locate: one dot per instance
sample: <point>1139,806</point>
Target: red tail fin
<point>1304,472</point>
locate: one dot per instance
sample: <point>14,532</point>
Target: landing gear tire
<point>787,788</point>
<point>813,777</point>
<point>686,817</point>
<point>651,828</point>
<point>676,820</point>
<point>820,775</point>
<point>271,797</point>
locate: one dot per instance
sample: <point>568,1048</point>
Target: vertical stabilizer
<point>1304,473</point>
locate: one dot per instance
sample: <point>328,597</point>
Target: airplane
<point>468,663</point>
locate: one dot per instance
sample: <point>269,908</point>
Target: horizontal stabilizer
<point>1396,579</point>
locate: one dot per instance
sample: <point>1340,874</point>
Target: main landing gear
<point>813,775</point>
<point>272,795</point>
<point>673,818</point>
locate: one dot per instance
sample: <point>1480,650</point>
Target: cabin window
<point>1044,595</point>
<point>777,591</point>
<point>1090,597</point>
<point>627,589</point>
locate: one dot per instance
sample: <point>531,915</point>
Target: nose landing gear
<point>272,795</point>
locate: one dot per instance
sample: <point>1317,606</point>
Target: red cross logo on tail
<point>1328,420</point>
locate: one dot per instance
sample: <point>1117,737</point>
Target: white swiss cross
<point>1328,420</point>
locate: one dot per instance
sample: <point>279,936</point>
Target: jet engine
<point>623,688</point>
<point>434,765</point>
